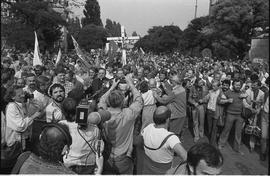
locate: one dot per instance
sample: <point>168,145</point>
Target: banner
<point>124,57</point>
<point>58,57</point>
<point>142,50</point>
<point>36,60</point>
<point>80,53</point>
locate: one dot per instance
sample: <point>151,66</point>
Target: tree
<point>113,28</point>
<point>134,33</point>
<point>234,23</point>
<point>92,37</point>
<point>91,13</point>
<point>160,39</point>
<point>194,38</point>
<point>74,30</point>
<point>30,16</point>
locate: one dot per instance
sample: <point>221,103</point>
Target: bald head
<point>161,114</point>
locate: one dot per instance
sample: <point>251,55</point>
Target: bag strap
<point>4,125</point>
<point>21,159</point>
<point>162,143</point>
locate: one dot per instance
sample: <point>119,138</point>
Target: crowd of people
<point>133,110</point>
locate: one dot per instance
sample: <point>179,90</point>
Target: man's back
<point>178,106</point>
<point>35,165</point>
<point>119,130</point>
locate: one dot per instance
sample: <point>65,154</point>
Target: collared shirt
<point>148,98</point>
<point>54,112</point>
<point>212,99</point>
<point>119,129</point>
<point>250,98</point>
<point>18,123</point>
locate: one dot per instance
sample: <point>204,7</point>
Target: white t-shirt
<point>153,137</point>
<point>80,152</point>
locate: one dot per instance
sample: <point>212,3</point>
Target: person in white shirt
<point>83,156</point>
<point>54,110</point>
<point>18,121</point>
<point>149,103</point>
<point>254,100</point>
<point>160,144</point>
<point>265,124</point>
<point>212,118</point>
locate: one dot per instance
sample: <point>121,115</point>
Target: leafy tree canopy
<point>92,13</point>
<point>113,28</point>
<point>30,16</point>
<point>92,37</point>
<point>134,33</point>
<point>160,39</point>
<point>234,23</point>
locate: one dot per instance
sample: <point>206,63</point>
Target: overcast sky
<point>140,15</point>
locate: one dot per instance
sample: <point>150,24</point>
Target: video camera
<point>84,108</point>
<point>28,96</point>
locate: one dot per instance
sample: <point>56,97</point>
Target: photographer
<point>84,154</point>
<point>119,129</point>
<point>17,125</point>
<point>99,85</point>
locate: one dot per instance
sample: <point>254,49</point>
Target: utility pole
<point>196,5</point>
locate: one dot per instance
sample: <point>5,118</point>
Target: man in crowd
<point>234,101</point>
<point>160,144</point>
<point>55,140</point>
<point>119,129</point>
<point>70,77</point>
<point>265,123</point>
<point>60,78</point>
<point>54,109</point>
<point>31,83</point>
<point>197,92</point>
<point>83,156</point>
<point>99,85</point>
<point>202,159</point>
<point>176,101</point>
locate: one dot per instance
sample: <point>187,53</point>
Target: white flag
<point>58,56</point>
<point>36,60</point>
<point>124,57</point>
<point>142,50</point>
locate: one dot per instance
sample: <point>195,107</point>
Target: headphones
<point>64,131</point>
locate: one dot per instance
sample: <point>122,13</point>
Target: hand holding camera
<point>115,83</point>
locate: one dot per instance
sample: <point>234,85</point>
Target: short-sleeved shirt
<point>153,137</point>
